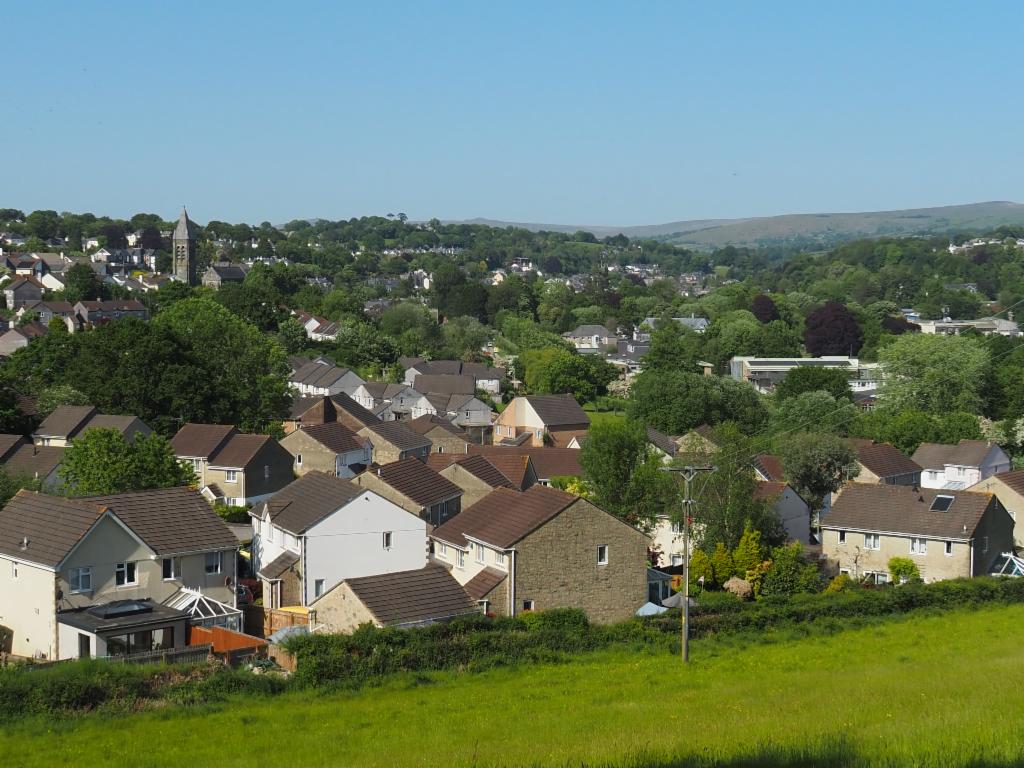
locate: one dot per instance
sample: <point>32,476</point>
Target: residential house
<point>485,377</point>
<point>464,411</point>
<point>769,467</point>
<point>948,534</point>
<point>67,422</point>
<point>959,466</point>
<point>547,463</point>
<point>221,272</point>
<point>322,377</point>
<point>548,419</point>
<point>394,441</point>
<point>664,445</point>
<point>86,577</point>
<point>765,373</point>
<point>22,290</point>
<point>650,324</point>
<point>98,312</point>
<point>21,458</point>
<point>416,488</point>
<point>794,513</point>
<point>444,384</point>
<point>1009,489</point>
<point>236,468</point>
<point>883,463</point>
<point>332,448</point>
<point>444,436</point>
<point>321,409</point>
<point>45,311</point>
<point>589,339</point>
<point>15,338</point>
<point>321,530</point>
<point>478,475</point>
<point>428,595</point>
<point>544,548</point>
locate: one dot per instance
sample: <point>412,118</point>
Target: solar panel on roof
<point>941,503</point>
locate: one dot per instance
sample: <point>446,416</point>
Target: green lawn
<point>605,416</point>
<point>939,690</point>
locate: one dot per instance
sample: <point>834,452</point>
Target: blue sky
<point>578,113</point>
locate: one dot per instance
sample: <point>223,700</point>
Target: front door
<point>84,646</point>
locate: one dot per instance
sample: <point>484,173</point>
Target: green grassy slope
<point>940,690</point>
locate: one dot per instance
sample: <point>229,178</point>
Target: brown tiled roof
<point>354,409</point>
<point>883,459</point>
<point>398,434</point>
<point>768,489</point>
<point>561,438</point>
<point>306,501</point>
<point>478,466</point>
<point>108,421</point>
<point>1013,480</point>
<point>335,437</point>
<point>33,461</point>
<point>423,424</point>
<point>503,517</point>
<point>770,466</point>
<point>276,567</point>
<point>518,469</point>
<point>707,432</point>
<point>9,442</point>
<point>200,440</point>
<point>239,450</point>
<point>415,480</point>
<point>558,410</point>
<point>169,520</point>
<point>302,405</point>
<point>902,510</point>
<point>32,330</point>
<point>547,462</point>
<point>443,384</point>
<point>65,420</point>
<point>52,525</point>
<point>966,453</point>
<point>428,594</point>
<point>484,582</point>
<point>662,441</point>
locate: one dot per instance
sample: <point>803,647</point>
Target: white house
<point>590,338</point>
<point>320,530</point>
<point>322,377</point>
<point>959,466</point>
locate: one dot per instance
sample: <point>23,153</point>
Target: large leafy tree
<point>557,371</point>
<point>764,308</point>
<point>674,401</point>
<point>814,411</point>
<point>103,461</point>
<point>807,378</point>
<point>934,373</point>
<point>831,329</point>
<point>817,464</point>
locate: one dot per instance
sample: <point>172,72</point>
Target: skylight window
<point>942,503</point>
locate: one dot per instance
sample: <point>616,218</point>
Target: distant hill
<point>806,230</point>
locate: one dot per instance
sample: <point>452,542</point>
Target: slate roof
<point>276,567</point>
<point>415,480</point>
<point>52,524</point>
<point>883,459</point>
<point>484,582</point>
<point>966,453</point>
<point>185,229</point>
<point>547,462</point>
<point>558,410</point>
<point>354,409</point>
<point>228,271</point>
<point>336,437</point>
<point>452,368</point>
<point>306,501</point>
<point>398,434</point>
<point>169,520</point>
<point>33,461</point>
<point>443,384</point>
<point>902,510</point>
<point>503,517</point>
<point>428,594</point>
<point>318,374</point>
<point>662,441</point>
<point>200,440</point>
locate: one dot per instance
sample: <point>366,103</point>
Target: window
<point>942,503</point>
<point>602,554</point>
<point>298,459</point>
<point>677,527</point>
<point>919,546</point>
<point>81,579</point>
<point>270,532</point>
<point>527,605</point>
<point>124,574</point>
<point>230,475</point>
<point>871,541</point>
<point>461,559</point>
<point>171,568</point>
<point>984,543</point>
<point>677,559</point>
<point>266,471</point>
<point>480,554</point>
<point>318,587</point>
<point>14,570</point>
<point>213,562</point>
<point>387,539</point>
<point>842,537</point>
<point>949,547</point>
<point>499,558</point>
<point>442,550</point>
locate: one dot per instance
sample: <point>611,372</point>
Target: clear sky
<point>557,112</point>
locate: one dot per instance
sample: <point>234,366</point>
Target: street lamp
<point>688,473</point>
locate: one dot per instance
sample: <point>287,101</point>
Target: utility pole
<point>688,473</point>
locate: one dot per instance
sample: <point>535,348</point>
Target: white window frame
<point>602,554</point>
<point>122,570</point>
<point>75,580</point>
<point>14,570</point>
<point>213,568</point>
<point>388,539</point>
<point>842,536</point>
<point>298,459</point>
<point>481,554</point>
<point>499,557</point>
<point>872,541</point>
<point>528,605</point>
<point>230,475</point>
<point>175,568</point>
<point>318,588</point>
<point>266,471</point>
<point>460,559</point>
<point>442,550</point>
<point>918,546</point>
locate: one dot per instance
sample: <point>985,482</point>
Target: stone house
<point>416,488</point>
<point>590,339</point>
<point>67,422</point>
<point>959,466</point>
<point>444,436</point>
<point>393,441</point>
<point>331,448</point>
<point>223,272</point>
<point>546,463</point>
<point>313,410</point>
<point>22,290</point>
<point>1009,488</point>
<point>544,548</point>
<point>883,463</point>
<point>477,475</point>
<point>547,419</point>
<point>15,338</point>
<point>321,530</point>
<point>948,534</point>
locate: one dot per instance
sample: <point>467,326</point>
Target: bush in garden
<point>903,569</point>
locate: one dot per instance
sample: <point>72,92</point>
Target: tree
<point>764,309</point>
<point>934,373</point>
<point>789,574</point>
<point>903,569</point>
<point>465,337</point>
<point>814,412</point>
<point>102,461</point>
<point>748,554</point>
<point>817,464</point>
<point>557,371</point>
<point>722,563</point>
<point>673,348</point>
<point>674,401</point>
<point>806,378</point>
<point>701,571</point>
<point>832,329</point>
<point>292,336</point>
<point>957,426</point>
<point>52,398</point>
<point>80,284</point>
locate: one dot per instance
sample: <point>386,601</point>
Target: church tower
<point>183,249</point>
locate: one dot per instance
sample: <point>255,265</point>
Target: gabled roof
<point>445,384</point>
<point>662,441</point>
<point>427,423</point>
<point>9,442</point>
<point>354,409</point>
<point>239,450</point>
<point>28,460</point>
<point>277,567</point>
<point>558,410</point>
<point>582,331</point>
<point>484,583</point>
<point>65,420</point>
<point>503,517</point>
<point>478,466</point>
<point>770,466</point>
<point>966,453</point>
<point>53,525</point>
<point>415,480</point>
<point>883,459</point>
<point>306,501</point>
<point>319,374</point>
<point>336,437</point>
<point>903,510</point>
<point>398,434</point>
<point>769,489</point>
<point>547,462</point>
<point>428,594</point>
<point>1014,480</point>
<point>169,520</point>
<point>200,440</point>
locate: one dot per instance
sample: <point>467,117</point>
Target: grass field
<point>605,416</point>
<point>940,690</point>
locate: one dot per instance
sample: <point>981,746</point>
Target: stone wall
<point>339,610</point>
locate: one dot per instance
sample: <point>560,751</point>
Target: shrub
<point>232,514</point>
<point>722,564</point>
<point>748,554</point>
<point>789,574</point>
<point>903,569</point>
<point>700,567</point>
<point>840,583</point>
